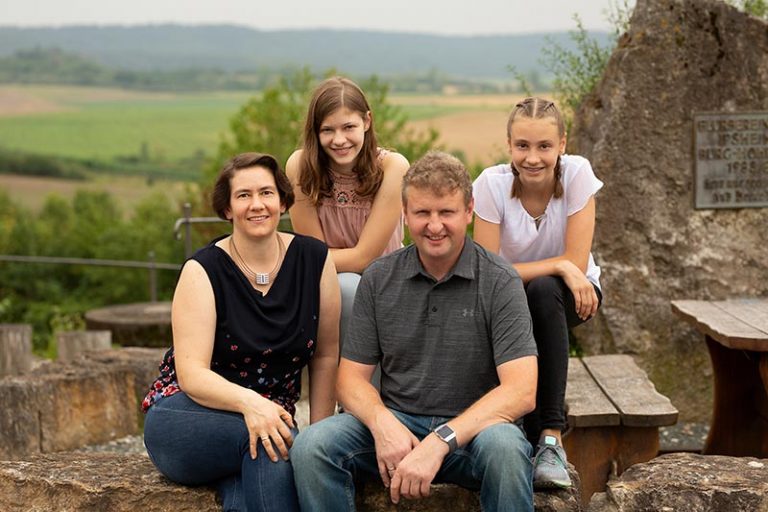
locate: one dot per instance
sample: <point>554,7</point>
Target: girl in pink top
<point>347,188</point>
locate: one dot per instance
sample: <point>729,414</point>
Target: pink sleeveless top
<point>343,214</point>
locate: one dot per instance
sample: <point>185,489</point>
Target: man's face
<point>438,224</point>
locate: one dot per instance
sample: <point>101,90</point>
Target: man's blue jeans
<point>194,445</point>
<point>328,455</point>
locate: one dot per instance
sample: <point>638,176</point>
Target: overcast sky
<point>462,17</point>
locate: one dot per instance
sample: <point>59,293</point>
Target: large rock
<point>693,483</point>
<point>95,482</point>
<point>373,497</point>
<point>59,407</point>
<point>143,363</point>
<point>678,57</point>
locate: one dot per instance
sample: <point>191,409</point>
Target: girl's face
<point>341,135</point>
<point>254,204</point>
<point>534,147</point>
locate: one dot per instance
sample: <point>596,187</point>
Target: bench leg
<point>592,450</point>
<point>638,444</point>
<point>740,416</point>
<point>598,453</point>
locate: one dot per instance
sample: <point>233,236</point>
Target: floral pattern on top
<point>261,342</point>
<point>344,190</point>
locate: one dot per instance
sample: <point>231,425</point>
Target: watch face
<point>444,431</point>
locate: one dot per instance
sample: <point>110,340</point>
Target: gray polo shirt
<point>439,342</point>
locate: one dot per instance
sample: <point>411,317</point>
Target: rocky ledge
<point>127,482</point>
<point>689,482</point>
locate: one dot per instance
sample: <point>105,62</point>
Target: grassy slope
<point>98,123</point>
<point>91,124</point>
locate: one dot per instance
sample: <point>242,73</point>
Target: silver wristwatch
<point>446,434</point>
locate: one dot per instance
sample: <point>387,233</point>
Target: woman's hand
<point>270,424</point>
<point>583,291</point>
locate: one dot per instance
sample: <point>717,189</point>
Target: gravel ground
<point>683,437</point>
<point>129,444</point>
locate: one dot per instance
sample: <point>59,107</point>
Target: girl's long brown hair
<point>314,171</point>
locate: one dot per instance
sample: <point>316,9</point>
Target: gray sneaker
<point>550,467</point>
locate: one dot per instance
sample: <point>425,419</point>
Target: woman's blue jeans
<point>330,454</point>
<point>194,445</point>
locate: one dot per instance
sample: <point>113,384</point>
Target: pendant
<point>262,278</point>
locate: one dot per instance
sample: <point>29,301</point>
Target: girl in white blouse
<point>538,213</point>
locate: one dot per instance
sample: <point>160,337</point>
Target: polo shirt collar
<point>464,267</point>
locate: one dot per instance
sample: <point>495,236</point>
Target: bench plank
<point>720,324</point>
<point>750,311</point>
<point>586,405</point>
<point>629,389</point>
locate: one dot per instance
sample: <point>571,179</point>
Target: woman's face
<point>534,146</point>
<point>341,135</point>
<point>254,204</point>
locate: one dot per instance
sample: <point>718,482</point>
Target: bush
<point>51,296</point>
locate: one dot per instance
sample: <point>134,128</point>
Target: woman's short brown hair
<point>222,189</point>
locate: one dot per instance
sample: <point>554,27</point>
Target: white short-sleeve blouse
<point>520,240</point>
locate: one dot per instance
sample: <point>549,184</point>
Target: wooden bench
<point>736,333</point>
<point>614,413</point>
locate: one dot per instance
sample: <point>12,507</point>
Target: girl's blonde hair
<point>314,176</point>
<point>537,108</point>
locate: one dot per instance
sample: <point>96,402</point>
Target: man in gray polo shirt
<point>448,322</point>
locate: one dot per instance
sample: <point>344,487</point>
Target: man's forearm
<point>359,398</point>
<point>511,400</point>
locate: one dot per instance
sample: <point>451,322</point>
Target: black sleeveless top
<point>261,342</point>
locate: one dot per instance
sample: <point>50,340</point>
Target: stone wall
<point>678,57</point>
<point>59,407</point>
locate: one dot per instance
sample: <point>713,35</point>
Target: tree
<point>577,72</point>
<point>758,8</point>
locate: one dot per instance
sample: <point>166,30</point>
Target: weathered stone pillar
<point>71,344</point>
<point>678,58</point>
<point>15,349</point>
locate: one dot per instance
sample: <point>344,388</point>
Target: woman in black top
<point>249,311</point>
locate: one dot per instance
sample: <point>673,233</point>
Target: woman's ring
<point>264,439</point>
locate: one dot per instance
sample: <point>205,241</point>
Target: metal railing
<point>150,265</point>
<point>187,220</point>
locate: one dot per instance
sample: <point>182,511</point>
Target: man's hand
<point>414,475</point>
<point>393,442</point>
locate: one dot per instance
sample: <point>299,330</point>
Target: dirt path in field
<point>19,100</point>
<point>16,102</point>
<point>31,192</point>
<point>481,135</point>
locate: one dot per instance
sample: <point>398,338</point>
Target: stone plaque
<point>731,155</point>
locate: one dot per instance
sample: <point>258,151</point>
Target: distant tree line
<point>56,66</point>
